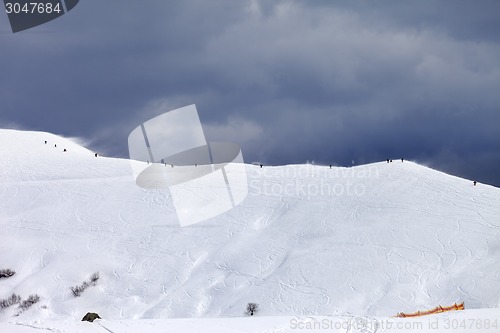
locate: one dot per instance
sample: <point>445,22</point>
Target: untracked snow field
<point>367,241</point>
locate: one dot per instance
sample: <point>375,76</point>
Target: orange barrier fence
<point>438,309</point>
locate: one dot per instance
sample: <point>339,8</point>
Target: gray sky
<point>290,81</point>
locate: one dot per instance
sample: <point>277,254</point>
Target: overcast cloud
<point>334,82</point>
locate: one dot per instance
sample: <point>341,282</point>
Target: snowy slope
<point>370,240</point>
<point>477,321</point>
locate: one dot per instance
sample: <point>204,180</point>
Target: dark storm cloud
<point>291,81</point>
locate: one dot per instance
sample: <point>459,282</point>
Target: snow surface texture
<point>477,321</point>
<point>370,240</point>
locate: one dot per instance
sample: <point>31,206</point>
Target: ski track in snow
<point>414,239</point>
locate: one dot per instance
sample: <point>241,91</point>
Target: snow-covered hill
<point>370,240</point>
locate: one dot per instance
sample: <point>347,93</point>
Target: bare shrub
<point>78,290</point>
<point>26,304</point>
<point>94,278</point>
<point>251,309</point>
<point>7,272</point>
<point>11,300</point>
